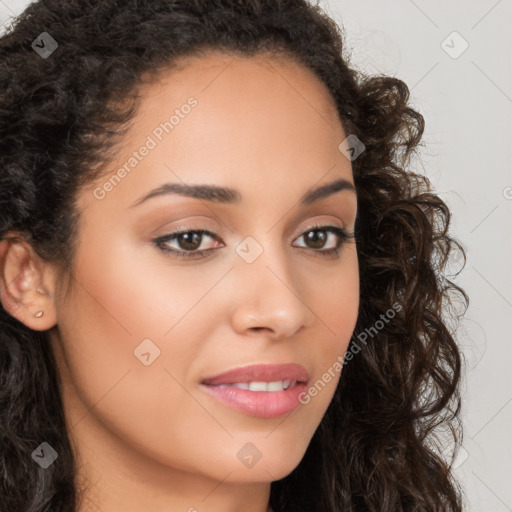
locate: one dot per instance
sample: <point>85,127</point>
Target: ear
<point>27,284</point>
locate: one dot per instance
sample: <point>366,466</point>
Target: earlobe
<point>25,281</point>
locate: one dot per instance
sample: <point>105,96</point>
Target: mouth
<point>265,391</point>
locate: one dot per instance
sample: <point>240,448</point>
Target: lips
<point>260,373</point>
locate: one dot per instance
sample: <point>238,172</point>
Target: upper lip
<point>260,373</point>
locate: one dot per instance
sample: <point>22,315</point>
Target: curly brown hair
<point>377,447</point>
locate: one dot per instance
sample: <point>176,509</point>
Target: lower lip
<point>263,404</point>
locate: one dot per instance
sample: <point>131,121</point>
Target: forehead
<point>255,120</point>
<point>223,71</point>
<point>236,88</point>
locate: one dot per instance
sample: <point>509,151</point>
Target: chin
<point>277,464</point>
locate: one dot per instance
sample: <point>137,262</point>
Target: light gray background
<point>466,100</point>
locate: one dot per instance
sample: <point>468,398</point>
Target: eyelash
<point>160,242</point>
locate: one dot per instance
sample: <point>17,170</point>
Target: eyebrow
<point>226,195</point>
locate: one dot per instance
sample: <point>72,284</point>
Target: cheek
<point>336,299</point>
<point>123,295</point>
<point>120,314</point>
<point>336,303</point>
<point>115,303</point>
<point>127,302</point>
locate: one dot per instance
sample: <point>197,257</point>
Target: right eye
<point>188,241</point>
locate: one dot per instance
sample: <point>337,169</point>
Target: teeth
<point>278,385</point>
<point>259,386</point>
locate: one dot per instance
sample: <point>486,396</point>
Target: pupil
<point>313,236</point>
<point>186,236</point>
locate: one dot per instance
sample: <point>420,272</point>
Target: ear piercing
<point>39,314</point>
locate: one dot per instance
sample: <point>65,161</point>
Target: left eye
<point>190,240</point>
<point>318,236</point>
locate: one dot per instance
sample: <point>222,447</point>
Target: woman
<point>222,289</point>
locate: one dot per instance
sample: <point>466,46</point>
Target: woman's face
<point>142,328</point>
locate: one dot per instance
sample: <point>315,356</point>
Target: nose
<point>268,299</point>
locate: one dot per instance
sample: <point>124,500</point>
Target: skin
<point>147,437</point>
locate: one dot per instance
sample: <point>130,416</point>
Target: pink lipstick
<point>262,390</point>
